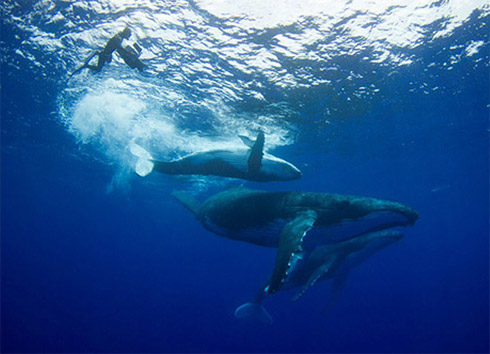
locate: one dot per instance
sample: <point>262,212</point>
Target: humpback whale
<point>249,163</point>
<point>333,261</point>
<point>293,222</point>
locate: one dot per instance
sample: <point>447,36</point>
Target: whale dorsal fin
<point>256,152</point>
<point>289,244</point>
<point>187,200</point>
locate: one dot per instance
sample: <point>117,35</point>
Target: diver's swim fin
<point>76,71</point>
<point>84,64</point>
<point>255,311</point>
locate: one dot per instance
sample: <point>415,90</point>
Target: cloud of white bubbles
<point>110,120</point>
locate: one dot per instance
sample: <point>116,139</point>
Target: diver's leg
<point>100,63</point>
<point>103,58</point>
<point>86,64</point>
<point>95,68</point>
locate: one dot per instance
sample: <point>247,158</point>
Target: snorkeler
<point>128,54</point>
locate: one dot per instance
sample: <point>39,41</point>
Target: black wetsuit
<point>128,54</point>
<point>105,56</point>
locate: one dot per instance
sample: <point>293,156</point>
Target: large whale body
<point>294,222</point>
<point>333,261</point>
<point>248,163</point>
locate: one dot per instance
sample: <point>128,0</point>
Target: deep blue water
<point>97,259</point>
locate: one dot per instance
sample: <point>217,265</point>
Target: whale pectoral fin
<point>322,269</point>
<point>255,311</point>
<point>187,200</point>
<point>246,140</point>
<point>290,243</point>
<point>256,152</point>
<point>336,290</point>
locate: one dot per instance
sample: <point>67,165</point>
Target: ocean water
<point>374,98</point>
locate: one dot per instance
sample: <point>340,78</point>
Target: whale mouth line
<point>350,228</point>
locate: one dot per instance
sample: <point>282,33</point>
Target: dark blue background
<point>85,270</point>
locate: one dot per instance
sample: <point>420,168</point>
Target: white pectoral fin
<point>144,165</point>
<point>246,140</point>
<point>289,244</point>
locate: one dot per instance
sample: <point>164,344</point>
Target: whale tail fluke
<point>254,311</point>
<point>145,164</point>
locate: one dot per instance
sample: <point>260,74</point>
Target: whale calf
<point>293,222</point>
<point>333,261</point>
<point>248,163</point>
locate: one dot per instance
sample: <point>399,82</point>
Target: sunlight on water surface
<point>217,69</point>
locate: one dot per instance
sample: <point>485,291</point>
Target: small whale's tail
<point>145,164</point>
<point>255,311</point>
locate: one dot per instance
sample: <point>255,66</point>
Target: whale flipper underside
<point>246,140</point>
<point>256,153</point>
<point>336,290</point>
<point>290,244</point>
<point>187,200</point>
<point>253,310</point>
<point>323,269</point>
